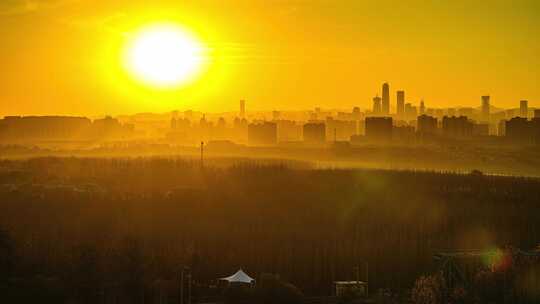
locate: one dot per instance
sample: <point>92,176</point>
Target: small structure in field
<point>239,277</point>
<point>345,288</point>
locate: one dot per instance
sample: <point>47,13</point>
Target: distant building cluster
<point>406,123</point>
<point>61,128</point>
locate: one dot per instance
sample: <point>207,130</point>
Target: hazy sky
<point>63,56</point>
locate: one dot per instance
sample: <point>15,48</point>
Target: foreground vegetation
<point>121,230</point>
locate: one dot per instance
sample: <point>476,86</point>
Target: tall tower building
<point>376,105</point>
<point>242,108</point>
<point>385,99</point>
<point>523,108</point>
<point>422,108</point>
<point>485,108</point>
<point>400,104</point>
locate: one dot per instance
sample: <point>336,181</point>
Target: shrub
<point>429,290</point>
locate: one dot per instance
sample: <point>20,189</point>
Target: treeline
<point>120,230</point>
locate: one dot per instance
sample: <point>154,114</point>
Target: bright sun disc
<point>163,56</point>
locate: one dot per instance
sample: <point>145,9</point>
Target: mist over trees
<point>120,230</point>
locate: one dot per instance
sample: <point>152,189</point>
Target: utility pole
<point>182,286</point>
<point>367,279</point>
<point>185,272</point>
<point>189,287</point>
<point>358,283</point>
<point>202,154</point>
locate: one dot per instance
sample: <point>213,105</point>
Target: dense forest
<point>96,228</point>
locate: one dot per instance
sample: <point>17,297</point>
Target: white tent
<point>239,277</point>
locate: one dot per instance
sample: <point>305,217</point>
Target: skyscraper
<point>400,104</point>
<point>523,108</point>
<point>411,111</point>
<point>385,99</point>
<point>485,108</point>
<point>422,108</point>
<point>262,133</point>
<point>376,105</point>
<point>314,132</point>
<point>242,108</point>
<point>379,128</point>
<point>427,124</point>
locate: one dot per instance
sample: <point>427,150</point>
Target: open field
<point>499,160</point>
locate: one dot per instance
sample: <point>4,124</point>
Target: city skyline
<point>390,103</point>
<point>408,124</point>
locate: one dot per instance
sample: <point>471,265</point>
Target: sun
<point>163,56</point>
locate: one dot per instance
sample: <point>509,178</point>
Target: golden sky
<point>63,56</point>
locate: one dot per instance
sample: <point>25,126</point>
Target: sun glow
<point>164,56</point>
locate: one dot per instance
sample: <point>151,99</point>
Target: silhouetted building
<point>356,114</point>
<point>403,134</point>
<point>240,127</point>
<point>109,127</point>
<point>457,127</point>
<point>509,114</point>
<point>410,112</point>
<point>288,131</point>
<point>220,131</point>
<point>205,129</point>
<point>377,105</point>
<point>523,108</point>
<point>485,108</point>
<point>465,112</point>
<point>518,129</point>
<point>242,108</point>
<point>203,122</point>
<point>276,115</point>
<point>344,116</point>
<point>498,116</point>
<point>501,128</point>
<point>221,124</point>
<point>422,108</point>
<point>386,99</point>
<point>535,129</point>
<point>183,124</point>
<point>179,130</point>
<point>536,113</point>
<point>50,128</point>
<point>481,129</point>
<point>315,132</point>
<point>340,130</point>
<point>379,128</point>
<point>427,124</point>
<point>400,97</point>
<point>262,133</point>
